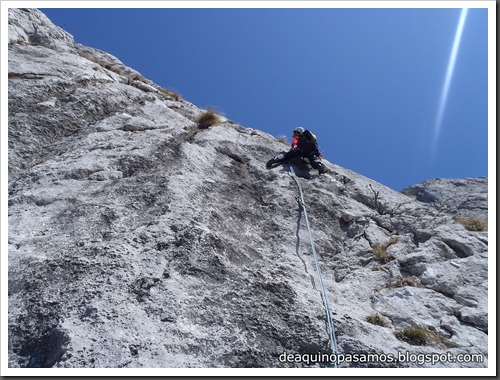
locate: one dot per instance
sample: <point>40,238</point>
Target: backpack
<point>313,140</point>
<point>307,143</point>
<point>310,137</point>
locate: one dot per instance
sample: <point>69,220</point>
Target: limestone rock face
<point>137,239</point>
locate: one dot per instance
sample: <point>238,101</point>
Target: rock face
<point>138,239</point>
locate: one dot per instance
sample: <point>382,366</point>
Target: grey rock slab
<point>138,240</point>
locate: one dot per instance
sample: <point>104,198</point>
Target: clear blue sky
<point>368,82</point>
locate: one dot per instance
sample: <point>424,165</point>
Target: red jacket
<point>305,145</point>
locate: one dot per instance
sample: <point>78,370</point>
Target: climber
<point>304,145</point>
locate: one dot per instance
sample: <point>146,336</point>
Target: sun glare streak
<point>447,80</point>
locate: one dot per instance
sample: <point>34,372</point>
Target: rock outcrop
<point>139,239</point>
<point>467,197</point>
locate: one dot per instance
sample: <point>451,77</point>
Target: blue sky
<point>367,82</point>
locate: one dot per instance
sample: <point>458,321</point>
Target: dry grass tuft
<point>380,250</point>
<point>207,119</point>
<point>283,139</point>
<point>406,281</point>
<point>171,94</point>
<point>422,336</point>
<point>472,223</point>
<point>378,320</point>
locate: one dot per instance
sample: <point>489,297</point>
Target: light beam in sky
<point>447,80</point>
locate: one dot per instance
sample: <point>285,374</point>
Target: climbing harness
<point>329,318</point>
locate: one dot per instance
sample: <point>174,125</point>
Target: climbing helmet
<point>298,131</point>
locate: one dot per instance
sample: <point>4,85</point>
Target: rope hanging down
<point>329,319</point>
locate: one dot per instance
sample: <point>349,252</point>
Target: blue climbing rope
<point>329,318</point>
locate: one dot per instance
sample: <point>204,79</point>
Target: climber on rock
<point>304,145</point>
